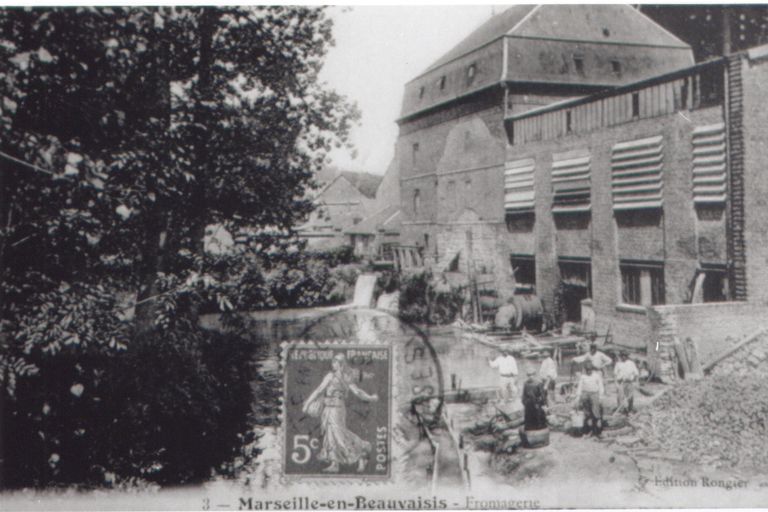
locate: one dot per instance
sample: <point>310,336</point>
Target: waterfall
<point>364,290</point>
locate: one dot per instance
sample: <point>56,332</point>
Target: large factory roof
<point>573,45</point>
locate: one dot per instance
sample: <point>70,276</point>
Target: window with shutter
<point>642,283</point>
<point>636,174</point>
<point>571,182</point>
<point>709,185</point>
<point>519,186</point>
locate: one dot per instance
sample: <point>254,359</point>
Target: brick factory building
<point>593,164</point>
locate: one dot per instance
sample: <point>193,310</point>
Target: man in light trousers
<point>626,374</point>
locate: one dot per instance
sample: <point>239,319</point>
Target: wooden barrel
<point>530,312</point>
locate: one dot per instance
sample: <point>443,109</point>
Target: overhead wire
<point>28,164</point>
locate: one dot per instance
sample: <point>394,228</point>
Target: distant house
<point>343,202</point>
<point>377,237</point>
<point>378,234</point>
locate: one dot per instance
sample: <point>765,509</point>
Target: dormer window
<point>578,64</point>
<point>471,72</point>
<point>442,82</point>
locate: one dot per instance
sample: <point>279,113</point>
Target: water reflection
<point>463,362</point>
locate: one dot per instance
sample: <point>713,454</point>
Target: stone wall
<point>746,359</point>
<point>713,328</point>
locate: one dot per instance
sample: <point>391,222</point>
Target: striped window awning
<point>709,167</point>
<point>636,177</point>
<point>519,186</point>
<point>571,182</point>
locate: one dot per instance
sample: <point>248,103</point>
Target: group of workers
<point>590,390</point>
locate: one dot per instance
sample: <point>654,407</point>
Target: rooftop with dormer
<point>565,49</point>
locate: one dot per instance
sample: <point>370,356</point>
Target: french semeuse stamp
<point>337,416</point>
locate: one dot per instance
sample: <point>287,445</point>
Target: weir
<point>364,290</point>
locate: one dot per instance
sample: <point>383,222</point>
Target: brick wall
<point>464,144</point>
<point>681,236</point>
<point>452,239</point>
<point>755,137</point>
<point>471,158</point>
<point>670,236</point>
<point>713,327</point>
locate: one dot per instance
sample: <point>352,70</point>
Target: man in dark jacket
<point>534,399</point>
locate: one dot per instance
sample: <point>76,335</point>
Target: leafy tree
<point>146,125</point>
<point>124,132</point>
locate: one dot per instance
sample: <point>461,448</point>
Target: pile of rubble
<point>719,421</point>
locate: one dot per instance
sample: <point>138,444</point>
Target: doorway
<point>575,286</point>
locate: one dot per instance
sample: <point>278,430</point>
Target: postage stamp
<point>337,417</point>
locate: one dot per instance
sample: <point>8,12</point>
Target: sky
<point>380,48</point>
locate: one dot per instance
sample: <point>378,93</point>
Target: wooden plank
<point>645,103</point>
<point>669,97</point>
<point>595,115</point>
<point>730,350</point>
<point>676,95</point>
<point>623,101</point>
<point>602,108</point>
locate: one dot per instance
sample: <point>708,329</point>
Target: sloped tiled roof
<point>489,31</point>
<point>365,182</point>
<point>530,44</point>
<point>551,22</point>
<point>385,219</point>
<point>570,22</point>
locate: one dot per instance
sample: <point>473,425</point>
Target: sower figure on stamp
<point>534,400</point>
<point>507,368</point>
<point>328,401</point>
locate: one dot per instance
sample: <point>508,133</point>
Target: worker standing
<point>626,374</point>
<point>506,365</point>
<point>599,360</point>
<point>548,373</point>
<point>534,400</point>
<point>589,393</point>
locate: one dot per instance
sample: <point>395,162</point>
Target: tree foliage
<point>124,133</point>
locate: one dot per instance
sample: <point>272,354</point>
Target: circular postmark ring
<point>415,389</point>
<point>420,373</point>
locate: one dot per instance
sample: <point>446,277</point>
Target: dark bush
<point>424,300</point>
<point>343,255</point>
<point>171,408</point>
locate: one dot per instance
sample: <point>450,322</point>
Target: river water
<point>463,363</point>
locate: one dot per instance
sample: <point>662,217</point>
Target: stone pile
<point>499,435</point>
<point>721,421</point>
